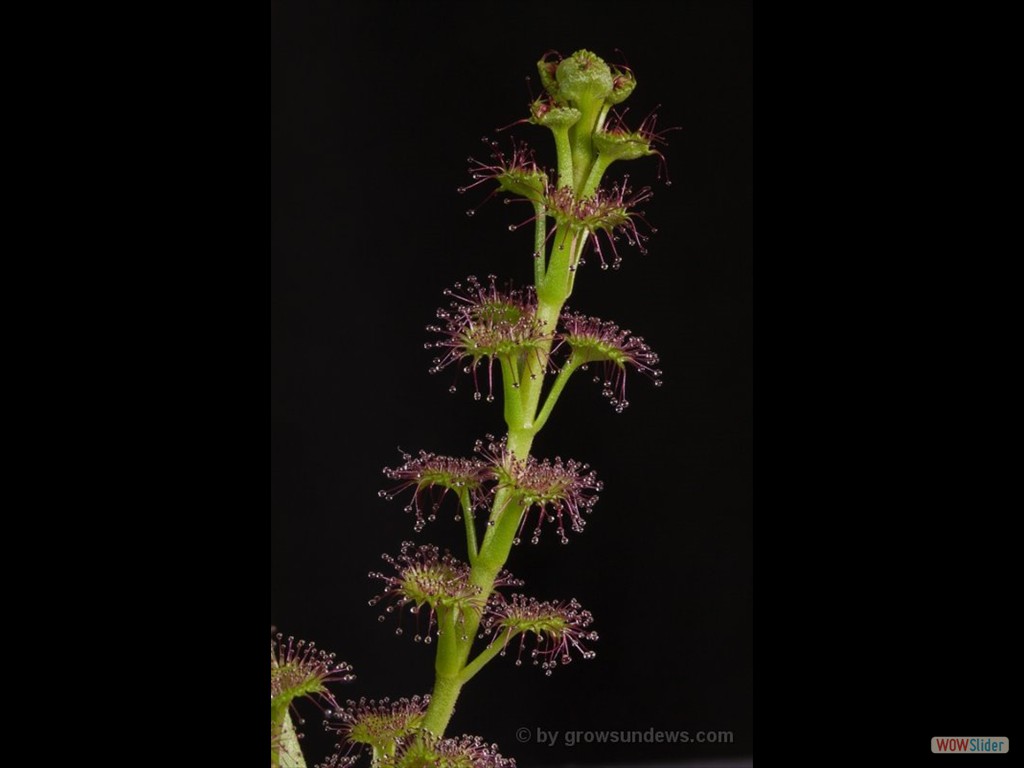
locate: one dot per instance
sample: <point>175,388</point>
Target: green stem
<point>506,514</point>
<point>563,148</point>
<point>568,369</point>
<point>467,515</point>
<point>540,243</point>
<point>491,558</point>
<point>277,716</point>
<point>285,751</point>
<point>520,439</point>
<point>580,243</point>
<point>498,540</point>
<point>581,136</point>
<point>447,662</point>
<point>488,653</point>
<point>290,753</point>
<point>554,290</point>
<point>442,703</point>
<point>601,163</point>
<point>509,380</point>
<point>554,284</point>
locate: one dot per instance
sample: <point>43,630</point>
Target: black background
<point>374,109</point>
<point>887,413</point>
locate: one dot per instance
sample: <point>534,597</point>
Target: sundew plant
<point>519,345</point>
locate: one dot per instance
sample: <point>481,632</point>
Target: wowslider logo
<point>970,745</point>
